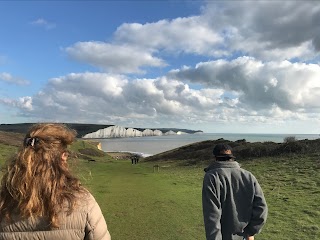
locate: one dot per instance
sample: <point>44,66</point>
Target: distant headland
<point>105,131</point>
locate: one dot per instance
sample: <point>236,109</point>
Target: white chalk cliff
<point>170,133</point>
<point>119,132</point>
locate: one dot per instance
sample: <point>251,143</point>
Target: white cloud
<point>114,58</point>
<point>268,29</point>
<point>188,35</point>
<point>111,98</point>
<point>8,78</point>
<point>23,103</point>
<point>43,23</point>
<point>291,86</point>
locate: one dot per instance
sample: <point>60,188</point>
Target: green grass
<point>6,152</point>
<point>291,187</point>
<point>141,204</point>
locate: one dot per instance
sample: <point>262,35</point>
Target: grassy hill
<point>11,139</point>
<point>201,152</point>
<point>81,129</point>
<point>140,203</point>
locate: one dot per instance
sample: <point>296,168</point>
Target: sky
<point>215,66</point>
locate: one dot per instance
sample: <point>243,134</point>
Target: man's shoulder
<point>217,169</point>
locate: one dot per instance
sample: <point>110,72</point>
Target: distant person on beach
<point>233,203</point>
<point>40,198</point>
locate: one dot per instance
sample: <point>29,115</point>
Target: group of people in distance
<point>134,159</point>
<point>41,199</point>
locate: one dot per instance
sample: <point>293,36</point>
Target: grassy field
<point>141,204</point>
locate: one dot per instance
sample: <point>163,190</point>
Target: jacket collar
<point>222,164</point>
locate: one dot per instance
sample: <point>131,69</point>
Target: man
<point>233,203</point>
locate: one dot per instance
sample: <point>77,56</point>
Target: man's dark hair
<point>223,152</point>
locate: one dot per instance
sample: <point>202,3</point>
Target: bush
<point>257,149</point>
<point>289,139</point>
<point>292,147</point>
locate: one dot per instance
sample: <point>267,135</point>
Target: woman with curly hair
<point>40,198</point>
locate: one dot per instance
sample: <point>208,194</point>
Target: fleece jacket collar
<point>222,164</point>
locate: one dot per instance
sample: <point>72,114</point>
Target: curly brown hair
<point>37,182</point>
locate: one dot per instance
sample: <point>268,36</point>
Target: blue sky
<point>218,66</point>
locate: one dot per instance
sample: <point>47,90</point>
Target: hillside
<point>202,151</point>
<point>83,150</point>
<point>81,129</point>
<point>12,139</point>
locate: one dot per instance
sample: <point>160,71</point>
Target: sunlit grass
<point>291,187</point>
<point>141,204</point>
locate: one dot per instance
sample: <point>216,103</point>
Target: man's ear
<point>64,156</point>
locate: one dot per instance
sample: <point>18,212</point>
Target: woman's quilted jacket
<point>85,222</point>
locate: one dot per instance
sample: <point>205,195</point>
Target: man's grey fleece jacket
<point>233,202</point>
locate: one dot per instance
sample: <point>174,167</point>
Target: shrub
<point>289,139</point>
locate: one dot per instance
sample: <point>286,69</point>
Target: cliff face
<point>119,132</point>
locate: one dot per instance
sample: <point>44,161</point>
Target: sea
<point>151,145</point>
